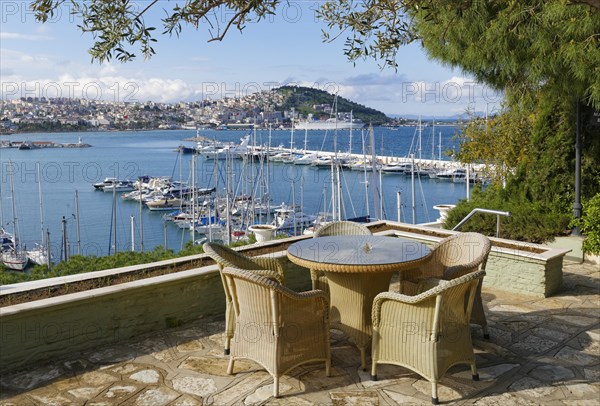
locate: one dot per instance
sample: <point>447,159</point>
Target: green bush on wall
<point>529,220</point>
<point>589,225</point>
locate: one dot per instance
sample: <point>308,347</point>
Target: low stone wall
<point>524,268</point>
<point>46,329</point>
<point>524,272</point>
<point>50,328</point>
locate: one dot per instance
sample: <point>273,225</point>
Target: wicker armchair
<point>453,257</point>
<point>427,333</point>
<point>277,327</point>
<point>319,280</point>
<point>224,257</point>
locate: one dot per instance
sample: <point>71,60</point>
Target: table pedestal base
<point>352,297</point>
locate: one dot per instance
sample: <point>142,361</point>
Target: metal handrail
<point>498,213</point>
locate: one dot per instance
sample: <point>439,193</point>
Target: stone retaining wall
<point>49,328</point>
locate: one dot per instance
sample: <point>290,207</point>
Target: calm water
<point>131,154</point>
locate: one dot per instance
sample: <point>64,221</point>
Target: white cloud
<point>398,95</point>
<point>108,87</point>
<point>23,37</point>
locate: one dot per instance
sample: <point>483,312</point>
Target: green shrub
<point>589,225</point>
<point>528,221</point>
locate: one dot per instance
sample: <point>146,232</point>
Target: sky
<point>52,60</point>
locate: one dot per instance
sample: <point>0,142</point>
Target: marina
<point>262,190</point>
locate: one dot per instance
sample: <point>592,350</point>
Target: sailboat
<point>14,258</point>
<point>39,254</point>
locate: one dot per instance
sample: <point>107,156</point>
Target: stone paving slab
<point>541,351</point>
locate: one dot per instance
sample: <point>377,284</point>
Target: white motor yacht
<point>121,186</point>
<point>105,182</point>
<point>291,220</point>
<point>397,168</point>
<point>305,159</point>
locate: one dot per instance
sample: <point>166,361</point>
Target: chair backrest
<point>263,300</point>
<point>468,250</point>
<point>342,228</point>
<point>252,295</point>
<point>448,302</point>
<point>225,256</point>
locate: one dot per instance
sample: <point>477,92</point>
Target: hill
<point>303,100</point>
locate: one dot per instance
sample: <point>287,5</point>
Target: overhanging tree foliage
<point>502,43</point>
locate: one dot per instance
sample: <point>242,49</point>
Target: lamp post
<point>577,203</point>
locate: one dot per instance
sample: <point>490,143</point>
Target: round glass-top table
<point>358,267</point>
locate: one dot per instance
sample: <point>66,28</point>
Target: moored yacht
<point>221,152</point>
<point>449,174</point>
<point>397,167</point>
<point>291,220</point>
<point>305,159</point>
<point>121,186</point>
<point>105,182</point>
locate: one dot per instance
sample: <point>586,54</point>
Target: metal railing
<point>498,213</point>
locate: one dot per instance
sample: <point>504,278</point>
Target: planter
<point>263,232</point>
<point>443,209</point>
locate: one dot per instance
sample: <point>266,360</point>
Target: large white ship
<point>329,124</point>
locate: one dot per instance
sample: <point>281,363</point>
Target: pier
<point>28,145</point>
<point>422,163</point>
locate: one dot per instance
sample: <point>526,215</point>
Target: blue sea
<point>129,154</point>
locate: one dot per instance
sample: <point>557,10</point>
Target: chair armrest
<point>271,264</point>
<point>404,306</point>
<point>428,294</point>
<point>272,275</point>
<point>308,295</point>
<point>457,271</point>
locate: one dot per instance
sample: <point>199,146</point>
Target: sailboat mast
<point>39,179</point>
<point>1,210</point>
<point>65,244</point>
<point>433,141</point>
<point>269,176</point>
<point>14,208</point>
<point>193,223</point>
<point>227,197</point>
<point>48,249</point>
<point>366,181</point>
<point>420,134</point>
<point>350,140</point>
<point>141,219</point>
<point>292,134</point>
<point>374,173</point>
<point>132,219</point>
<point>333,192</point>
<point>114,219</point>
<point>305,139</point>
<point>412,187</point>
<point>339,191</point>
<point>294,211</point>
<point>77,221</point>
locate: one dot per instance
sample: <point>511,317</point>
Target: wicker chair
<point>453,257</point>
<point>319,280</point>
<point>224,257</point>
<point>277,327</point>
<point>427,333</point>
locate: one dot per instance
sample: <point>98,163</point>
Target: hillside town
<point>262,109</point>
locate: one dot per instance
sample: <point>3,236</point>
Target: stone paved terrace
<point>542,351</point>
